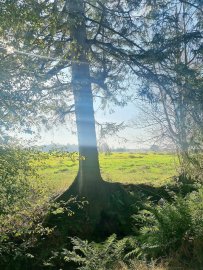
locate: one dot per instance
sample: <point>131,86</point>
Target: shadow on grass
<point>106,214</point>
<point>111,209</point>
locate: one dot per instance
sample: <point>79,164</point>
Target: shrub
<point>14,174</point>
<point>22,205</point>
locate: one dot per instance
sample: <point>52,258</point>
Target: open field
<point>135,168</point>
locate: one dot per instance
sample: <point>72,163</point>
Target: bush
<point>24,207</point>
<point>14,174</point>
<point>23,204</point>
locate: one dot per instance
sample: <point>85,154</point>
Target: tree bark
<point>89,170</point>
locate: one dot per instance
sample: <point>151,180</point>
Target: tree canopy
<point>56,50</point>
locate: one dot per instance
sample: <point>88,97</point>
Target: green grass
<point>148,168</point>
<point>155,169</point>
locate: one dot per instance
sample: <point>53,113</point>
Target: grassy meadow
<point>58,171</point>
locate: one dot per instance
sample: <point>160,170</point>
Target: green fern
<point>91,255</point>
<point>173,227</point>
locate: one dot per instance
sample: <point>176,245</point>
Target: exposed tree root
<point>108,210</point>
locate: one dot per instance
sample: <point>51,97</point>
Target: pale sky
<point>61,134</point>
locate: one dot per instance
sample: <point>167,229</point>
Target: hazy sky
<point>62,134</point>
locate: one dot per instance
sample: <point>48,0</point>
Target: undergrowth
<point>169,231</point>
<point>174,229</point>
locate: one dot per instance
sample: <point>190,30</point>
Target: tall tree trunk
<point>89,171</point>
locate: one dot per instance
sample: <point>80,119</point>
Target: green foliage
<point>91,256</point>
<point>167,228</point>
<point>192,166</point>
<point>174,228</point>
<point>16,173</point>
<point>22,206</point>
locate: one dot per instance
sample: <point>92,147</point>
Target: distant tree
<point>120,149</point>
<point>104,148</point>
<point>155,148</point>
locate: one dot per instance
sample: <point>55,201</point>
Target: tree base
<point>108,210</point>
